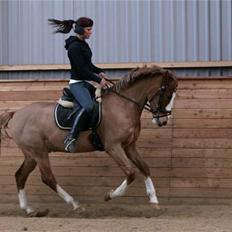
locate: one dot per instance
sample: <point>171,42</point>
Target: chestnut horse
<point>122,106</point>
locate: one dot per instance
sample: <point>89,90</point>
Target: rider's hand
<point>105,84</point>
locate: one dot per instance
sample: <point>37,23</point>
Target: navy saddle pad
<point>64,117</point>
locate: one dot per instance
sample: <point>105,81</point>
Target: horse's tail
<point>4,119</point>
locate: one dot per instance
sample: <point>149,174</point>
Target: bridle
<point>158,112</point>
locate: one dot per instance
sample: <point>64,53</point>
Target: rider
<point>82,70</point>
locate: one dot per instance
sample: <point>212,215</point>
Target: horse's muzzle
<point>159,122</point>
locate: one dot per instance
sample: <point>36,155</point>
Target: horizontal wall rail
<point>46,67</point>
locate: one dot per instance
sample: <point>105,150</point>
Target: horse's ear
<point>167,73</point>
<point>170,76</point>
<point>167,76</point>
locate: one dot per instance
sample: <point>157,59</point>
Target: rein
<point>141,106</point>
<point>146,106</point>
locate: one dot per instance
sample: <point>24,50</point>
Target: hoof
<point>76,205</point>
<point>38,213</point>
<point>107,196</point>
<point>155,206</point>
<point>80,209</point>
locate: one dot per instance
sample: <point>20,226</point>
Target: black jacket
<point>80,55</point>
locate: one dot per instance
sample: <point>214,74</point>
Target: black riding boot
<point>70,141</point>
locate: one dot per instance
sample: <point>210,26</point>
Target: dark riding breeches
<point>81,92</point>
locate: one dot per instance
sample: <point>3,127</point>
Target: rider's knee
<point>89,108</point>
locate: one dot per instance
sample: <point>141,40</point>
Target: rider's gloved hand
<point>105,83</point>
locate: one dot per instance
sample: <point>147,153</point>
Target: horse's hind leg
<point>134,156</point>
<point>118,154</point>
<point>49,179</point>
<point>21,176</point>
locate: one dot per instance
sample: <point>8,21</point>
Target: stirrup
<point>70,145</point>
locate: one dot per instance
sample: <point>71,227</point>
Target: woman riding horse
<point>119,130</point>
<point>82,69</point>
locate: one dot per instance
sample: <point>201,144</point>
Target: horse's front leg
<point>119,156</point>
<point>134,156</point>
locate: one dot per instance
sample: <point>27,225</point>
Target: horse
<point>152,88</point>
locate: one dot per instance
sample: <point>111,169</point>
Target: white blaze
<point>171,103</point>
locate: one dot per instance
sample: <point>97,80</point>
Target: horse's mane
<point>136,75</point>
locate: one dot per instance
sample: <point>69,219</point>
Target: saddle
<point>66,111</point>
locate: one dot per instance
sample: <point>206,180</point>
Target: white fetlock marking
<point>153,199</point>
<point>119,191</point>
<point>151,191</point>
<point>76,205</point>
<point>67,198</point>
<point>23,201</point>
<point>64,195</point>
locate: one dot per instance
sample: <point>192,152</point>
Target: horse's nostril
<point>165,123</point>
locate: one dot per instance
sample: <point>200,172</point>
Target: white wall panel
<point>124,30</point>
